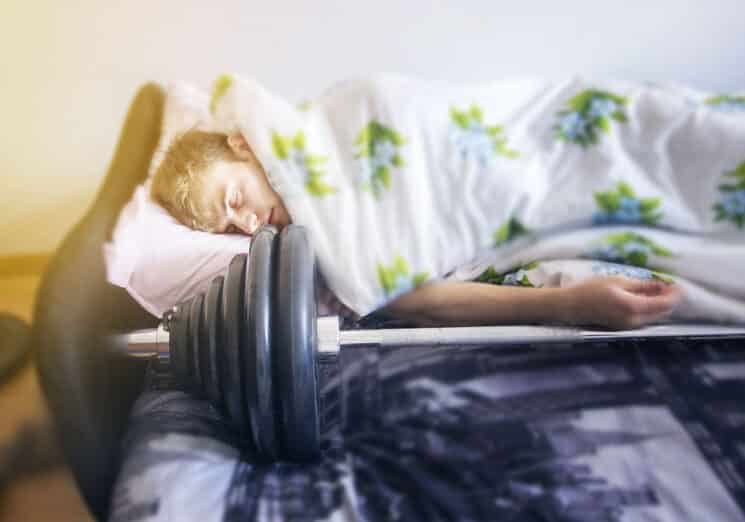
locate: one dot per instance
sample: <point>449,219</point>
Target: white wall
<point>69,69</point>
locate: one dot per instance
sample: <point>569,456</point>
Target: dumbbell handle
<point>149,342</point>
<point>154,342</point>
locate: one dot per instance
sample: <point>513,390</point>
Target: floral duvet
<point>402,182</point>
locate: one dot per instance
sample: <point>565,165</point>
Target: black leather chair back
<point>89,390</point>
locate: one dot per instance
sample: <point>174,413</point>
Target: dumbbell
<point>251,342</point>
<point>248,345</point>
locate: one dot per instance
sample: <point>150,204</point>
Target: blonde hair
<point>178,182</point>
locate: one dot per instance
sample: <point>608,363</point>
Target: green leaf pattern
<point>731,204</point>
<point>514,277</point>
<point>476,140</point>
<point>396,280</point>
<point>291,149</point>
<point>726,103</point>
<point>510,230</point>
<point>588,115</point>
<point>219,88</point>
<point>378,154</point>
<point>622,206</point>
<point>628,248</point>
<point>633,272</point>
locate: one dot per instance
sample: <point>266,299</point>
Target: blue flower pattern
<point>298,158</point>
<point>396,278</point>
<point>619,253</point>
<point>602,108</point>
<point>610,253</point>
<point>475,140</point>
<point>574,127</point>
<point>731,207</point>
<point>308,167</point>
<point>378,153</point>
<point>628,248</point>
<point>731,204</point>
<point>403,284</point>
<point>517,278</point>
<point>589,113</point>
<point>382,157</point>
<point>634,272</point>
<point>628,212</point>
<point>614,269</point>
<point>621,206</point>
<point>727,103</point>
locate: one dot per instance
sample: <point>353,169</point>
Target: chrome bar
<point>148,343</point>
<point>458,335</point>
<point>328,332</point>
<point>689,331</point>
<point>152,342</point>
<point>493,335</point>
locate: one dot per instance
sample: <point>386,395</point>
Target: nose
<point>248,222</point>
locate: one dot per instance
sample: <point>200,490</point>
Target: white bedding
<point>401,182</point>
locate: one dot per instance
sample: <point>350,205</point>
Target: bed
<point>643,430</point>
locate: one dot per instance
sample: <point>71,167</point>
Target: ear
<point>239,146</point>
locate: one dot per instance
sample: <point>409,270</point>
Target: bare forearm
<point>479,303</point>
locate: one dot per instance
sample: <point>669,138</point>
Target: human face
<point>239,198</point>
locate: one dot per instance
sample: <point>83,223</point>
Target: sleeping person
<point>213,182</point>
<point>406,185</point>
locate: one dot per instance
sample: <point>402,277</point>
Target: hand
<point>620,302</point>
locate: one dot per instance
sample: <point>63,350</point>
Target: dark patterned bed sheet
<point>652,432</point>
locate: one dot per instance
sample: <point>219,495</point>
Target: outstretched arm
<point>612,302</point>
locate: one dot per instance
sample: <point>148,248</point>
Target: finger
<point>652,288</point>
<point>652,314</point>
<point>642,304</point>
<point>643,286</point>
<point>658,288</point>
<point>641,320</point>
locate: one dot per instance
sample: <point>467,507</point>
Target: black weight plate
<point>257,350</point>
<point>179,346</point>
<point>212,343</point>
<point>233,317</point>
<point>195,331</point>
<point>295,344</point>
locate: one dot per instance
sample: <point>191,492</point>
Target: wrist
<point>564,305</point>
<point>543,305</point>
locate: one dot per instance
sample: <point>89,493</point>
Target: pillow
<point>159,261</point>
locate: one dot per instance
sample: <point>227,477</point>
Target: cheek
<point>263,188</point>
<point>257,190</point>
